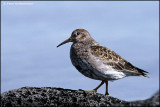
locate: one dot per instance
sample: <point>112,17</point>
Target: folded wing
<point>110,58</point>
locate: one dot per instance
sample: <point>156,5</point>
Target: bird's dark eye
<point>78,33</point>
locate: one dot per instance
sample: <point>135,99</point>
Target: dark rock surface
<point>47,96</point>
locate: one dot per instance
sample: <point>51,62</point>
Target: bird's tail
<point>142,72</point>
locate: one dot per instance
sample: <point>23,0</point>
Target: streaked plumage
<point>98,62</point>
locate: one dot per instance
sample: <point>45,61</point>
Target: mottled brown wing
<point>113,59</point>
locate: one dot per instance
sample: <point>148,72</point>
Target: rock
<point>151,102</point>
<point>47,96</point>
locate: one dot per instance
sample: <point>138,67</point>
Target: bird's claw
<point>90,90</point>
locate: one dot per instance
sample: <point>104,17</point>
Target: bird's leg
<point>95,90</point>
<point>99,86</point>
<point>106,88</point>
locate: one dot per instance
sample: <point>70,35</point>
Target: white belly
<point>91,72</point>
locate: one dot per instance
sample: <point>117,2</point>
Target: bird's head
<point>78,35</point>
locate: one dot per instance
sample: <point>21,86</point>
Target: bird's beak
<point>66,41</point>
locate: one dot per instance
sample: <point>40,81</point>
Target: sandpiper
<point>98,62</point>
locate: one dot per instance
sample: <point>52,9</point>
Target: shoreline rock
<point>50,96</point>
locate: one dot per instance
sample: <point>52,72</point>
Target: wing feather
<point>117,62</point>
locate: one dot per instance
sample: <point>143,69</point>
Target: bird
<point>98,62</point>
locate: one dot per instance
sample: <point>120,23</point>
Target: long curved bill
<point>66,41</point>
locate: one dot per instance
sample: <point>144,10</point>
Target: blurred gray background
<point>31,32</point>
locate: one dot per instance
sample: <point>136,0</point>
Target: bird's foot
<point>106,94</point>
<point>90,90</point>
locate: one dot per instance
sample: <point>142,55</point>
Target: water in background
<point>31,32</point>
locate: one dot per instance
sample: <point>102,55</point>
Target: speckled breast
<point>79,57</point>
